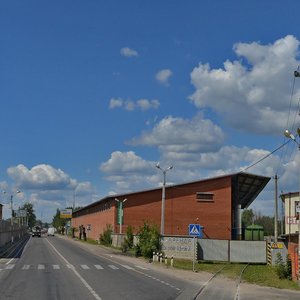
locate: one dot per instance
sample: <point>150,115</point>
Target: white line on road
<point>56,267</point>
<point>142,268</point>
<point>41,267</point>
<point>85,267</point>
<point>127,267</point>
<point>98,267</point>
<point>113,267</point>
<point>77,274</point>
<point>9,267</point>
<point>26,267</point>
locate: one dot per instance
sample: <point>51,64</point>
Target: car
<point>51,231</point>
<point>36,231</point>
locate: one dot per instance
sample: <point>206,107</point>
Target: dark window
<point>205,197</point>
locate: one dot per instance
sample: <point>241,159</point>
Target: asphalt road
<point>62,268</point>
<point>58,268</point>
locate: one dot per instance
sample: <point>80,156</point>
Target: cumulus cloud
<point>163,76</point>
<point>178,134</point>
<point>124,162</point>
<point>127,52</point>
<point>127,171</point>
<point>251,93</point>
<point>40,177</point>
<point>141,104</point>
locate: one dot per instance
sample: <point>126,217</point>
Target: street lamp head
<point>157,165</point>
<point>289,135</point>
<point>170,168</point>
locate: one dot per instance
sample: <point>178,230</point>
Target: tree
<point>30,214</point>
<point>149,240</point>
<point>247,217</point>
<point>58,222</point>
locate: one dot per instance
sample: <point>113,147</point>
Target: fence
<point>8,232</point>
<point>215,250</point>
<point>210,250</point>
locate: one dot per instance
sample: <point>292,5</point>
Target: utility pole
<point>276,210</point>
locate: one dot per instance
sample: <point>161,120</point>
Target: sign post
<point>195,231</point>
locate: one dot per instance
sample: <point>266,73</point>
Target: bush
<point>128,241</point>
<point>149,241</point>
<point>105,238</point>
<point>283,270</point>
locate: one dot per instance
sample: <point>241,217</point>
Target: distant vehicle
<point>51,231</point>
<point>36,231</point>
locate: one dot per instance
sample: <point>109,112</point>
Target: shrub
<point>149,241</point>
<point>105,237</point>
<point>128,241</point>
<point>283,270</point>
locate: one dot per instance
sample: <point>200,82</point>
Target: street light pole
<point>12,216</point>
<point>292,137</point>
<point>121,212</point>
<point>163,197</point>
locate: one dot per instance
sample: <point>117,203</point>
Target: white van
<point>51,231</point>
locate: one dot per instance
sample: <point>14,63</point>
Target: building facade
<point>291,201</point>
<point>214,203</point>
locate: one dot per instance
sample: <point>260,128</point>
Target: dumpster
<point>254,233</point>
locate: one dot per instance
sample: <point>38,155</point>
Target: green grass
<point>256,274</point>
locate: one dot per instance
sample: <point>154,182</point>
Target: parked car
<point>36,231</point>
<point>51,231</point>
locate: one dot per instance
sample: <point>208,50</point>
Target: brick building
<point>214,203</point>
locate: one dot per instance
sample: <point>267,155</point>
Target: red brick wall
<point>292,250</point>
<point>97,220</point>
<point>181,209</point>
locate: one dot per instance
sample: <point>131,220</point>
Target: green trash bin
<point>254,233</point>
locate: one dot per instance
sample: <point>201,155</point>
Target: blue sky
<point>94,93</point>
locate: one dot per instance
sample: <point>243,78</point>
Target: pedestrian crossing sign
<point>195,230</point>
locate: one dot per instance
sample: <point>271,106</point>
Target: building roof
<point>247,187</point>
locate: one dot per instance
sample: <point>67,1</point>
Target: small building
<point>291,201</point>
<point>213,203</point>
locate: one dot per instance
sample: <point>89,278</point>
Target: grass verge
<point>263,275</point>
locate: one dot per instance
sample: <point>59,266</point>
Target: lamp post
<point>289,135</point>
<point>163,197</point>
<point>120,212</point>
<point>12,215</point>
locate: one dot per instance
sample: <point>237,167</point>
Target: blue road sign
<point>195,230</point>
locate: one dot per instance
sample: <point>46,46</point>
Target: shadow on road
<point>14,250</point>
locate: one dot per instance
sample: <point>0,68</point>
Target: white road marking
<point>9,267</point>
<point>142,268</point>
<point>41,267</point>
<point>70,266</point>
<point>98,267</point>
<point>127,267</point>
<point>56,267</point>
<point>113,267</point>
<point>85,267</point>
<point>26,267</point>
<point>77,274</point>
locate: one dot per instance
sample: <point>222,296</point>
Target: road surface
<point>57,268</point>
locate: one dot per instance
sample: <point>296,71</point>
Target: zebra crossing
<point>41,267</point>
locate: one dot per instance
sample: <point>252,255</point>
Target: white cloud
<point>127,52</point>
<point>129,105</point>
<point>40,177</point>
<point>256,87</point>
<point>145,104</point>
<point>177,135</point>
<point>115,103</point>
<point>163,76</point>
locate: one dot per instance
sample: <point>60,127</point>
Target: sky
<point>94,93</point>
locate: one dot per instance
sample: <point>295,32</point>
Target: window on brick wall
<point>204,197</point>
